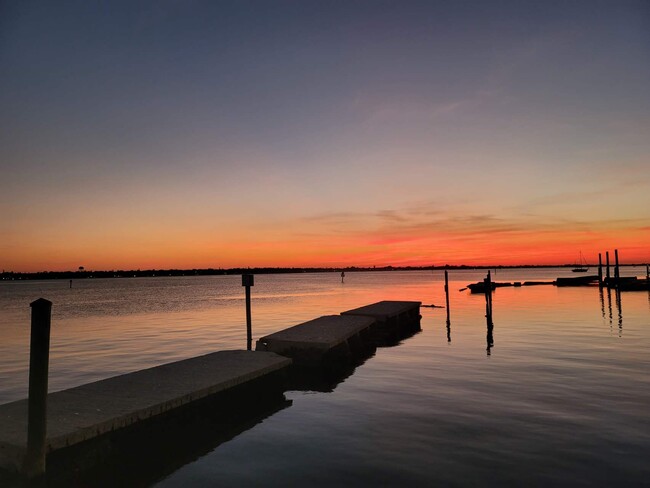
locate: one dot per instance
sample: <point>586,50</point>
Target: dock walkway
<point>322,340</point>
<point>393,319</point>
<point>88,411</point>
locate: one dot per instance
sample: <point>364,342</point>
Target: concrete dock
<point>89,411</point>
<point>327,339</point>
<point>393,319</point>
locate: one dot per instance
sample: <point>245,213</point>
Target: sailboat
<point>581,265</point>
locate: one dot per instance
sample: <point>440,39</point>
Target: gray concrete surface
<point>87,411</point>
<point>385,310</point>
<point>310,342</point>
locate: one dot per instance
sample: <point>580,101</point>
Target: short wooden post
<point>600,270</point>
<point>647,272</point>
<point>617,274</point>
<point>247,282</point>
<point>447,294</point>
<point>607,269</point>
<point>39,356</point>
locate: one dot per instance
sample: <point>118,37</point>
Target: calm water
<point>561,399</point>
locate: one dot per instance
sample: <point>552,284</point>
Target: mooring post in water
<point>617,274</point>
<point>488,294</point>
<point>488,312</point>
<point>39,356</point>
<point>247,281</point>
<point>647,272</point>
<point>447,294</point>
<point>600,270</point>
<point>607,277</point>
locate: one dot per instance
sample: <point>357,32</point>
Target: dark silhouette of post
<point>342,276</point>
<point>600,270</point>
<point>488,293</point>
<point>39,356</point>
<point>647,272</point>
<point>247,281</point>
<point>447,295</point>
<point>607,269</point>
<point>70,283</point>
<point>617,274</point>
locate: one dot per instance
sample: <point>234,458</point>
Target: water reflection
<point>609,306</point>
<point>490,327</point>
<point>602,300</point>
<point>619,309</point>
<point>157,448</point>
<point>323,379</point>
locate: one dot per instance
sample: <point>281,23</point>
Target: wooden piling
<point>247,281</point>
<point>607,269</point>
<point>488,313</point>
<point>39,356</point>
<point>447,295</point>
<point>617,274</point>
<point>488,294</point>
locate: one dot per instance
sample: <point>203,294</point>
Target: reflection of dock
<point>152,450</point>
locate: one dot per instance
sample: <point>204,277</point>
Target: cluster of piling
<point>609,276</point>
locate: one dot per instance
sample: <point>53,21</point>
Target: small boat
<point>581,265</point>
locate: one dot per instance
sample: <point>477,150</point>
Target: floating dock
<point>126,409</point>
<point>92,410</point>
<point>577,281</point>
<point>394,320</point>
<point>324,340</point>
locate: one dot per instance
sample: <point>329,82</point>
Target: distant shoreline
<point>148,273</point>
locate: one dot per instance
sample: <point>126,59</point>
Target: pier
<point>324,340</point>
<point>394,320</point>
<point>76,422</point>
<point>92,410</point>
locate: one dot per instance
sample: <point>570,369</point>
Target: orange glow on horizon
<point>374,249</point>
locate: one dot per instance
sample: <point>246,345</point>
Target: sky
<point>196,134</point>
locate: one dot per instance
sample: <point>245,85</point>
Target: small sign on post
<point>247,281</point>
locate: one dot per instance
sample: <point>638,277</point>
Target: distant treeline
<point>138,273</point>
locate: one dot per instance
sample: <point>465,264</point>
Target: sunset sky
<point>195,134</point>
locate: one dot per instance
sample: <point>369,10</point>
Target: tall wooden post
<point>488,313</point>
<point>488,294</point>
<point>617,273</point>
<point>447,295</point>
<point>600,270</point>
<point>247,281</point>
<point>607,269</point>
<point>39,357</point>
